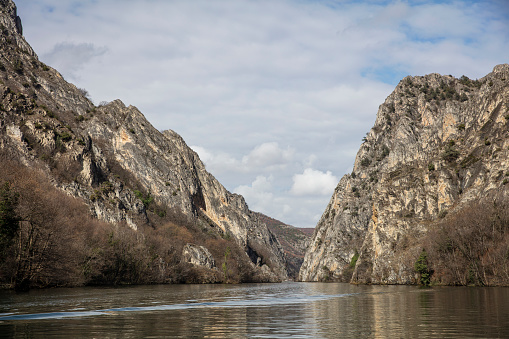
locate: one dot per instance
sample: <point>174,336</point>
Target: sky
<point>274,95</point>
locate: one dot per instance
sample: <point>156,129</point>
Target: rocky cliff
<point>114,160</point>
<point>294,241</point>
<point>439,145</point>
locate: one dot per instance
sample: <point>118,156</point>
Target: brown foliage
<point>59,244</point>
<point>49,243</point>
<point>471,247</point>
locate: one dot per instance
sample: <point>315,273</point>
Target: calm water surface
<point>296,310</point>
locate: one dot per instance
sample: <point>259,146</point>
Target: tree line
<point>49,239</point>
<point>470,246</point>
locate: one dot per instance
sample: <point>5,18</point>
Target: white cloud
<point>216,162</point>
<point>452,20</point>
<point>313,182</point>
<point>268,154</point>
<point>68,58</point>
<point>266,157</point>
<point>265,88</point>
<point>258,193</point>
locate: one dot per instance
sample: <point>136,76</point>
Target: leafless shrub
<point>85,93</point>
<point>471,247</point>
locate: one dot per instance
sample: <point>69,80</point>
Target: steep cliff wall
<point>112,158</point>
<point>438,144</point>
<point>294,241</point>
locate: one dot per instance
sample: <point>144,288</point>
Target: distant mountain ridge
<point>294,241</point>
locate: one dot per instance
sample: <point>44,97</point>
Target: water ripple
<point>232,303</point>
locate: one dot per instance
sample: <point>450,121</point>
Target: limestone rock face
<point>172,173</point>
<point>198,255</point>
<point>11,22</point>
<point>438,143</point>
<point>112,157</point>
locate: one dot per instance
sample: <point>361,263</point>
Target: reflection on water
<point>297,310</point>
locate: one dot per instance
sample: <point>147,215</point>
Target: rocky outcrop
<point>113,158</point>
<point>12,29</point>
<point>198,255</point>
<point>438,144</point>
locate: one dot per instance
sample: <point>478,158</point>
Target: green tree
<point>421,266</point>
<point>355,257</point>
<point>227,253</point>
<point>450,154</point>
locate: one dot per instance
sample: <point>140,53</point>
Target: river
<point>287,310</point>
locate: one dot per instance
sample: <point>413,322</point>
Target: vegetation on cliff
<point>50,239</point>
<point>471,246</point>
